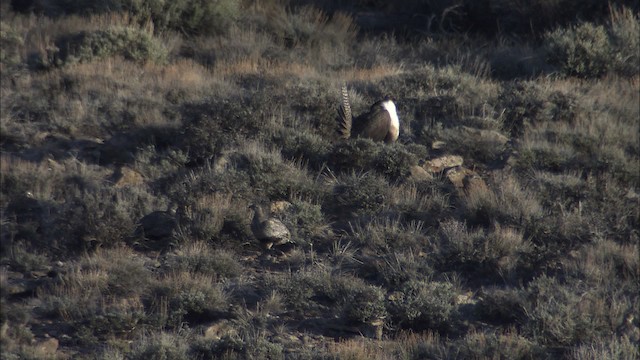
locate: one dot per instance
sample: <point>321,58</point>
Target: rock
<point>418,173</point>
<point>491,136</point>
<point>473,182</point>
<point>219,330</point>
<point>443,163</point>
<point>46,348</point>
<point>279,206</point>
<point>221,163</point>
<point>438,145</point>
<point>456,176</point>
<point>125,176</point>
<point>465,180</point>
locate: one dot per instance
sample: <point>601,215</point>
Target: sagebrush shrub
<point>584,50</point>
<point>358,194</point>
<point>394,162</point>
<point>131,43</point>
<point>423,304</point>
<point>194,17</point>
<point>353,155</point>
<point>363,303</point>
<point>522,105</point>
<point>10,44</point>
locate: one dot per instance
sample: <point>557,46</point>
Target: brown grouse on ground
<point>269,231</point>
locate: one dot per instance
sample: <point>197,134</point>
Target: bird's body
<point>269,231</point>
<point>381,123</point>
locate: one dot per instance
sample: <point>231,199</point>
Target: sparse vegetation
<point>134,135</point>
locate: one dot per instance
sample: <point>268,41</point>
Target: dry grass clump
<point>498,346</point>
<point>164,345</point>
<point>606,348</point>
<point>510,204</point>
<point>594,140</point>
<point>383,234</point>
<point>101,295</point>
<point>569,314</point>
<point>477,145</point>
<point>11,44</point>
<point>400,267</point>
<point>495,254</point>
<point>179,297</point>
<point>199,258</point>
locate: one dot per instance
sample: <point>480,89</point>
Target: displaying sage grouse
<point>269,231</point>
<point>381,123</point>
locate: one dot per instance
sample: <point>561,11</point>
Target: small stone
<point>280,206</point>
<point>219,330</point>
<point>126,176</point>
<point>438,145</point>
<point>418,173</point>
<point>47,347</point>
<point>443,163</point>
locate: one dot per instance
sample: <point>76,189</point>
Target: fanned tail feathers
<point>344,115</point>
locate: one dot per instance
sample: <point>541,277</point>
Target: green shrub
<point>522,104</point>
<point>502,306</point>
<point>422,305</point>
<point>193,17</point>
<point>589,50</point>
<point>353,155</point>
<point>361,303</point>
<point>298,289</point>
<point>304,219</point>
<point>475,145</point>
<point>583,50</point>
<point>305,146</point>
<point>358,194</point>
<point>131,43</point>
<point>10,44</point>
<point>394,162</point>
